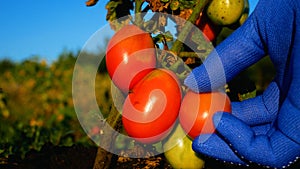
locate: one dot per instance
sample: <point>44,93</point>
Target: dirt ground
<point>80,157</point>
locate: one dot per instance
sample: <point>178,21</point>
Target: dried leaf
<point>91,2</point>
<point>158,5</point>
<point>162,20</point>
<point>189,61</point>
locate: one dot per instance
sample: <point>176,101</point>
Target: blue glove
<point>264,130</point>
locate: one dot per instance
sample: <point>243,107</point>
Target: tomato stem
<point>201,55</point>
<point>188,26</point>
<point>171,60</point>
<point>104,157</point>
<point>137,11</point>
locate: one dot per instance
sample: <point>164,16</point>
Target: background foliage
<point>36,105</point>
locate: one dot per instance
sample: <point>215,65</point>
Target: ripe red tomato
<point>130,55</point>
<point>208,28</point>
<point>151,108</point>
<point>197,109</point>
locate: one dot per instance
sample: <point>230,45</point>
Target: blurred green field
<point>36,105</point>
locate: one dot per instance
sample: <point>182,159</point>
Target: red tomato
<point>209,29</point>
<point>197,110</point>
<point>130,55</point>
<point>151,109</point>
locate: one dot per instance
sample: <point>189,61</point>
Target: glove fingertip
<point>234,130</point>
<point>191,82</point>
<point>219,118</point>
<point>213,146</point>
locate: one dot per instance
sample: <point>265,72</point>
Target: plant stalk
<point>104,158</point>
<point>176,48</point>
<point>137,11</point>
<point>193,55</point>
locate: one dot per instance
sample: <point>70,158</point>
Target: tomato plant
<point>130,55</point>
<point>152,107</point>
<point>178,150</point>
<point>197,110</point>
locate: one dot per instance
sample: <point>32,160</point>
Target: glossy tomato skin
<point>208,28</point>
<point>130,55</point>
<point>152,107</point>
<point>197,110</point>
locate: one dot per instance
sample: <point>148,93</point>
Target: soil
<point>80,157</point>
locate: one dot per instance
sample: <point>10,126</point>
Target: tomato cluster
<point>154,98</point>
<point>154,95</point>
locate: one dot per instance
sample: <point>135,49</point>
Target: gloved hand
<point>264,130</point>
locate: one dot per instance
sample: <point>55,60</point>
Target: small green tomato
<point>225,12</point>
<point>243,17</point>
<point>245,12</point>
<point>178,151</point>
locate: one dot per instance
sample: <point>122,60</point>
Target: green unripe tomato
<point>225,12</point>
<point>243,17</point>
<point>178,151</point>
<point>245,12</point>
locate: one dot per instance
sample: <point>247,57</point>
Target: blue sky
<point>47,27</point>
